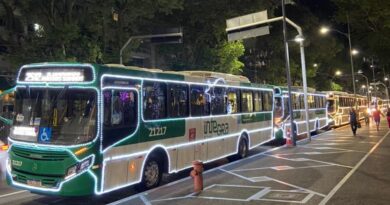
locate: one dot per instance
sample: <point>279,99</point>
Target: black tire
<point>242,148</point>
<point>151,175</point>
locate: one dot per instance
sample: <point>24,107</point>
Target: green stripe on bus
<point>258,117</point>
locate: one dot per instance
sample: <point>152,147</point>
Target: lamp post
<point>361,74</point>
<point>352,52</point>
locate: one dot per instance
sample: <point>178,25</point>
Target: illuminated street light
<point>354,52</point>
<point>299,38</point>
<point>363,86</point>
<point>386,79</point>
<point>338,73</point>
<point>315,65</point>
<point>324,30</point>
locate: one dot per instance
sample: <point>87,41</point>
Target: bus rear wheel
<point>151,175</point>
<point>242,148</point>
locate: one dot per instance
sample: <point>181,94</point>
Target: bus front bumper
<point>80,185</point>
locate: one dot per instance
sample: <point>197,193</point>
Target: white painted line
<point>327,148</point>
<point>272,179</point>
<point>243,186</point>
<point>171,199</point>
<point>140,196</point>
<point>324,162</point>
<point>277,200</point>
<point>338,186</point>
<point>238,175</point>
<point>143,199</point>
<point>297,187</point>
<point>13,193</point>
<point>221,198</point>
<point>305,167</point>
<point>259,194</point>
<point>216,168</point>
<point>307,198</point>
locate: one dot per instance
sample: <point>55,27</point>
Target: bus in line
<point>317,111</point>
<point>340,103</point>
<point>85,129</point>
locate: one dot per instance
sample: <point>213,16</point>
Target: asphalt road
<point>335,168</point>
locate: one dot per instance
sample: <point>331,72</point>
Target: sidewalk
<point>335,168</point>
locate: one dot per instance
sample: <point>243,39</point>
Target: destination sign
<point>56,74</point>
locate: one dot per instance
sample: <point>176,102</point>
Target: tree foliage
<point>95,30</point>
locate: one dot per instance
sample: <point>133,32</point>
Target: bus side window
<point>178,100</point>
<point>155,98</point>
<point>258,105</point>
<point>200,101</point>
<point>267,100</point>
<point>120,115</point>
<point>246,101</point>
<point>232,102</point>
<point>218,101</point>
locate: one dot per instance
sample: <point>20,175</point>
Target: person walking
<point>377,117</point>
<point>353,120</point>
<point>388,116</point>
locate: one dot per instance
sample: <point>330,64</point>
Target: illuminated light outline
<point>57,189</point>
<point>302,93</point>
<point>54,76</point>
<point>172,119</point>
<point>141,110</point>
<point>173,171</point>
<point>99,100</point>
<point>141,173</point>
<point>177,146</point>
<point>45,65</point>
<point>102,116</point>
<point>64,146</point>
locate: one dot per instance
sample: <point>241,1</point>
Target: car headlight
<point>79,167</point>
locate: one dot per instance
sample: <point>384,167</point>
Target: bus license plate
<point>35,183</point>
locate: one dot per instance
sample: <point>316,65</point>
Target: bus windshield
<point>54,116</point>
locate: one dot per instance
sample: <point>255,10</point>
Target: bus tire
<point>151,174</point>
<point>242,148</point>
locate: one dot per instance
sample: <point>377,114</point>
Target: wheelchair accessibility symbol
<point>44,134</point>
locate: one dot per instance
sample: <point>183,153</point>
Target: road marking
<point>324,162</point>
<point>275,168</point>
<point>13,193</point>
<point>338,186</point>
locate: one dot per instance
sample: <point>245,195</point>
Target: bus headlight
<point>8,164</point>
<point>79,167</point>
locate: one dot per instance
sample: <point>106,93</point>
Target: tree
<point>370,25</point>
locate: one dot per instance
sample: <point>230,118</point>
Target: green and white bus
<point>339,105</point>
<point>85,129</point>
<point>317,111</point>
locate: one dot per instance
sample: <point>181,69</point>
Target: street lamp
<point>325,30</point>
<point>354,52</point>
<point>360,72</point>
<point>338,73</point>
